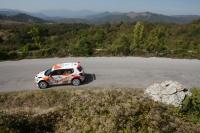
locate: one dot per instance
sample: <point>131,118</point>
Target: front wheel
<point>43,85</point>
<point>76,82</point>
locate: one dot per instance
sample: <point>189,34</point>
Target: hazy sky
<point>166,7</point>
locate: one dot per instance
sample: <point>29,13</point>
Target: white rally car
<point>64,73</point>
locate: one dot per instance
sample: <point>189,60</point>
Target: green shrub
<point>12,55</point>
<point>3,55</point>
<point>192,105</point>
<point>29,47</point>
<point>84,47</point>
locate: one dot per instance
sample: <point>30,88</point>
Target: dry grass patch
<point>89,110</point>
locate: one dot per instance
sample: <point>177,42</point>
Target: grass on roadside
<point>95,110</point>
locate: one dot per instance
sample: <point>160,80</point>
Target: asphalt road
<point>104,72</point>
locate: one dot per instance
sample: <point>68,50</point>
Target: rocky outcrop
<point>168,92</point>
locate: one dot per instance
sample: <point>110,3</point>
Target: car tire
<point>43,85</point>
<point>76,82</point>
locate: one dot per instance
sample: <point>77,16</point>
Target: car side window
<point>60,72</point>
<point>68,71</point>
<point>54,73</point>
<point>57,72</point>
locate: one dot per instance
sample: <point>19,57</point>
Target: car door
<point>55,77</point>
<point>66,75</point>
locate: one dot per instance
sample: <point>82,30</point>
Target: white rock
<point>168,92</point>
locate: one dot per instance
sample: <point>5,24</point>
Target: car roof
<point>66,66</point>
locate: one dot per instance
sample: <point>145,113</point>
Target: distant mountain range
<point>21,17</point>
<point>91,17</point>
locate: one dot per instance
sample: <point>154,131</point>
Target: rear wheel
<point>43,84</point>
<point>76,82</point>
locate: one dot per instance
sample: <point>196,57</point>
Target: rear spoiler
<point>79,64</point>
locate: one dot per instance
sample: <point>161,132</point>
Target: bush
<point>1,39</point>
<point>3,54</point>
<point>12,55</point>
<point>29,47</point>
<point>84,47</point>
<point>111,110</point>
<point>192,105</point>
<point>48,52</point>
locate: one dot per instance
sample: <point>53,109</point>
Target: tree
<point>120,46</point>
<point>156,40</point>
<point>138,35</point>
<point>84,47</point>
<point>37,33</point>
<point>99,37</point>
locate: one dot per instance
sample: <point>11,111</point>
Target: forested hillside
<point>21,17</point>
<point>23,40</point>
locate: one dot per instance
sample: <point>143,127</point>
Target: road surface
<point>104,72</point>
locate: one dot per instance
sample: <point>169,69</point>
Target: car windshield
<point>47,72</point>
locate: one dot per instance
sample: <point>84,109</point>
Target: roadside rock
<point>168,92</point>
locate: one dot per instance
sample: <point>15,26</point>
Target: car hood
<point>40,74</point>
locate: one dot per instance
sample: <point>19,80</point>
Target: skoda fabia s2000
<point>64,73</point>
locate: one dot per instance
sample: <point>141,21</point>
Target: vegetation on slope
<point>109,110</point>
<point>20,41</point>
<point>22,17</point>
